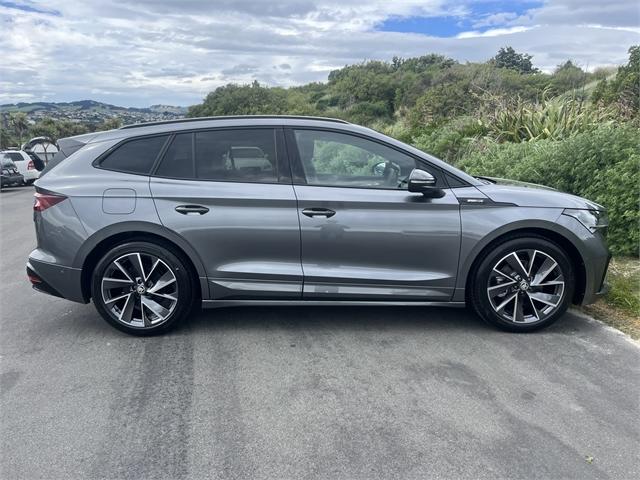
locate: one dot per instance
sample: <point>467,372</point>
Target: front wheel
<point>523,284</point>
<point>142,288</point>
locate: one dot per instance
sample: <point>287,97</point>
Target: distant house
<point>42,147</point>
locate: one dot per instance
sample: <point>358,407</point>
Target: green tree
<point>111,123</point>
<point>18,121</point>
<point>507,57</point>
<point>624,90</point>
<point>568,76</point>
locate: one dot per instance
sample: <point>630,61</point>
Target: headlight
<point>592,219</point>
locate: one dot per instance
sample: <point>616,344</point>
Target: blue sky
<point>143,52</point>
<point>479,16</point>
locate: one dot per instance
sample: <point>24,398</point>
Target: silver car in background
<point>149,221</point>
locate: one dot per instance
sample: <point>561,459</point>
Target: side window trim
<point>297,172</point>
<point>282,159</point>
<point>97,163</point>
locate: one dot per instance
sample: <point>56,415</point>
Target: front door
<point>223,192</point>
<point>364,235</point>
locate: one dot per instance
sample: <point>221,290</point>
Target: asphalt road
<point>305,392</point>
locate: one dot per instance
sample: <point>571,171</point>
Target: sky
<point>174,52</point>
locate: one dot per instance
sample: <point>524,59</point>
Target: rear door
<point>228,192</point>
<point>364,235</point>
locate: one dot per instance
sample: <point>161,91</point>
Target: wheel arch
<point>562,239</point>
<point>100,242</point>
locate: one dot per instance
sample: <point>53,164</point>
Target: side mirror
<point>378,169</point>
<point>425,183</point>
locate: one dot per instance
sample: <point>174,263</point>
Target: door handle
<point>318,212</point>
<point>191,209</point>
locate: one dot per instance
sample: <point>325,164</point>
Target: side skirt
<point>325,303</point>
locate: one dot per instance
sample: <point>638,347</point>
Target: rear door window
<point>236,155</point>
<point>135,156</point>
<point>178,160</point>
<point>225,155</point>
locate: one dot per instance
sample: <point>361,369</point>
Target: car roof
<point>151,128</point>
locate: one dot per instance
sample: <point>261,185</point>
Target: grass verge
<point>620,308</point>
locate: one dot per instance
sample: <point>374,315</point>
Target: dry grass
<point>621,307</point>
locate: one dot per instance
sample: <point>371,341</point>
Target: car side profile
<point>149,221</point>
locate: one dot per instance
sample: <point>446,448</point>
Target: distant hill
<point>90,111</point>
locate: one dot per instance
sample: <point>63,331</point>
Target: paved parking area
<point>304,392</point>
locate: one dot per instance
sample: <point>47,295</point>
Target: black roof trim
<point>233,117</point>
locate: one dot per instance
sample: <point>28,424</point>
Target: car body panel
<point>533,196</point>
<point>249,240</point>
<point>254,245</point>
<point>379,244</point>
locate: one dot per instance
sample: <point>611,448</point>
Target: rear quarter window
<point>135,156</point>
<point>15,156</point>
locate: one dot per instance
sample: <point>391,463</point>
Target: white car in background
<point>25,164</point>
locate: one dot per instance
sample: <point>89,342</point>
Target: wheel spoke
<point>545,269</point>
<point>115,299</point>
<point>145,319</point>
<point>506,302</point>
<point>533,306</point>
<point>514,262</point>
<point>121,268</point>
<point>546,298</point>
<point>163,295</point>
<point>136,262</point>
<point>167,279</point>
<point>503,274</point>
<point>115,282</point>
<point>127,309</point>
<point>500,288</point>
<point>155,307</point>
<point>153,267</point>
<point>531,260</point>
<point>552,283</point>
<point>518,311</point>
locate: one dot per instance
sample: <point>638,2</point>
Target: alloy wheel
<point>526,286</point>
<point>139,290</point>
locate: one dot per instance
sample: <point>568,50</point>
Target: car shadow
<point>334,318</point>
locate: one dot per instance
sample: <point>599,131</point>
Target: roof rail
<point>231,117</point>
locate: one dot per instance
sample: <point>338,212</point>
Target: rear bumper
<point>30,175</point>
<point>60,281</point>
<point>9,180</point>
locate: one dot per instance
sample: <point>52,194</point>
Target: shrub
<point>450,141</point>
<point>555,119</point>
<point>602,165</point>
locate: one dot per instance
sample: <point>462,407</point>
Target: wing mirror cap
<point>425,183</point>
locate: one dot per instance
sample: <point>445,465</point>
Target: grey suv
<point>155,219</point>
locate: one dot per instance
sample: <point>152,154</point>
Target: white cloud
<point>494,32</point>
<point>171,51</point>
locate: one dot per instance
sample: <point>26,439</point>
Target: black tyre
<point>142,288</point>
<point>523,284</point>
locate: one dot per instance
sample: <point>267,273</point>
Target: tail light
<point>45,200</point>
<point>31,166</point>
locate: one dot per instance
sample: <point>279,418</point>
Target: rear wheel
<point>523,284</point>
<point>142,288</point>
